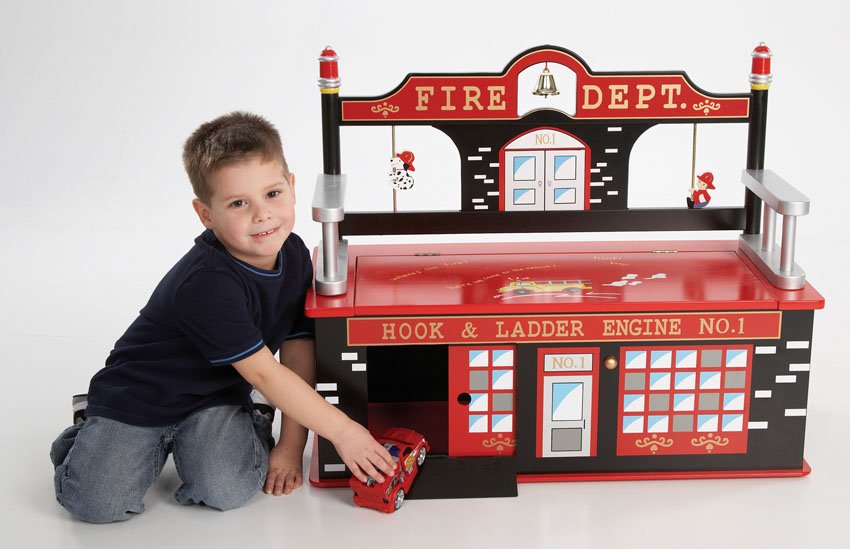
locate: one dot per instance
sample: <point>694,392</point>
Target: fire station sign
<point>454,330</point>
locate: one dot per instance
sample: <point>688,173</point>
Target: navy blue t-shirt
<point>209,311</point>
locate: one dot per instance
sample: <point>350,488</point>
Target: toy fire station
<point>563,360</point>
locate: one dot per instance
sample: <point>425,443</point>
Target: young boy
<point>179,380</point>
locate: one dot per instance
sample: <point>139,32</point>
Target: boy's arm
<point>363,455</point>
<point>285,461</point>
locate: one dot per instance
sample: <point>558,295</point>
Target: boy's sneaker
<point>261,405</point>
<point>78,404</point>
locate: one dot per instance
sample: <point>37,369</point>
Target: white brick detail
<point>786,379</point>
<point>612,151</point>
<point>602,164</point>
<point>609,178</point>
<point>493,193</point>
<point>797,345</point>
<point>475,158</point>
<point>332,400</point>
<point>613,193</point>
<point>615,129</point>
<point>494,164</point>
<point>484,149</point>
<point>480,176</point>
<point>348,356</point>
<point>795,412</point>
<point>484,207</point>
<point>765,350</point>
<point>597,184</point>
<point>596,201</point>
<point>358,367</point>
<point>489,181</point>
<point>756,425</point>
<point>477,200</point>
<point>326,386</point>
<point>334,467</point>
<point>763,394</point>
<point>594,170</point>
<point>798,368</point>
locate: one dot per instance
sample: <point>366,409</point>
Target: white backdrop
<point>97,98</point>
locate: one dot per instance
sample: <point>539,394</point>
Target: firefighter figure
<point>699,197</point>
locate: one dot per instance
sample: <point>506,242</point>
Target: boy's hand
<point>285,473</point>
<point>363,455</point>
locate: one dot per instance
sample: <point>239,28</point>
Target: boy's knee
<point>91,503</point>
<point>222,492</point>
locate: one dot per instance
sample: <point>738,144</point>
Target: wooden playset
<point>563,360</point>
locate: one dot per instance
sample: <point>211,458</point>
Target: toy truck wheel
<point>399,499</point>
<point>420,457</point>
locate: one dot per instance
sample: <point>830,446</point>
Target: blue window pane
<point>565,166</point>
<point>567,401</point>
<point>524,197</point>
<point>635,359</point>
<point>564,195</point>
<point>524,168</point>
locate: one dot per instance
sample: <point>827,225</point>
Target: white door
<point>567,419</point>
<point>524,176</point>
<point>564,178</point>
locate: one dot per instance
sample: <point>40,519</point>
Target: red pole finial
<point>328,71</point>
<point>760,77</point>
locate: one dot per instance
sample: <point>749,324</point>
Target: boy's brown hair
<point>226,140</point>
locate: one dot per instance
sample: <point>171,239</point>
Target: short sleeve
<point>304,327</point>
<point>212,309</point>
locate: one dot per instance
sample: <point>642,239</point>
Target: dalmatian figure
<point>400,168</point>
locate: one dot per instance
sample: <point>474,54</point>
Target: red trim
<point>503,169</point>
<point>670,442</point>
<point>597,477</point>
<point>594,391</point>
<point>461,441</point>
<point>666,475</point>
<point>343,306</point>
<point>616,96</point>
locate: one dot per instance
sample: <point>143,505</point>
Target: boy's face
<point>251,210</point>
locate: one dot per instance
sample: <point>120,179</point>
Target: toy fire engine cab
<point>564,360</point>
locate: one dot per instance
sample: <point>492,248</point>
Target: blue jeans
<point>104,467</point>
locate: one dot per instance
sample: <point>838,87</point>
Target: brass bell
<point>546,83</point>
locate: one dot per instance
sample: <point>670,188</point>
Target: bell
<point>546,83</point>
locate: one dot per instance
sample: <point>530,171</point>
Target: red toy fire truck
<point>409,449</point>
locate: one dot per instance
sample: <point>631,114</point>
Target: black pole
<point>755,156</point>
<point>330,133</point>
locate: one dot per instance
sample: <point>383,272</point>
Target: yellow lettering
<point>500,329</point>
<point>422,96</point>
<point>472,95</point>
<point>617,92</point>
<point>588,89</point>
<point>389,331</point>
<point>645,93</point>
<point>496,101</point>
<point>668,90</point>
<point>675,326</point>
<point>435,330</point>
<point>448,105</point>
<point>576,328</point>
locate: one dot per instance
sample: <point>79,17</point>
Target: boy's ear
<point>203,213</point>
<point>292,180</point>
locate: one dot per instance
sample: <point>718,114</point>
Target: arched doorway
<point>544,169</point>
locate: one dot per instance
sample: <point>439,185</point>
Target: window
<point>684,400</point>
